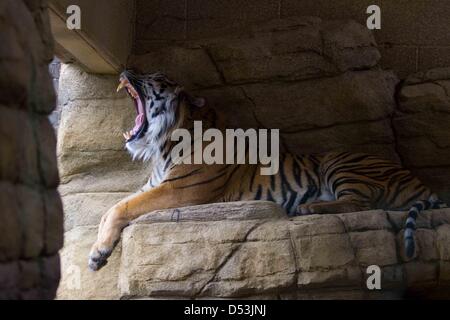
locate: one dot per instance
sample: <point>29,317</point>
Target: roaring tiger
<point>334,182</point>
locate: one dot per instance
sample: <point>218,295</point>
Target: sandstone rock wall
<point>414,35</point>
<point>422,125</point>
<point>96,171</point>
<point>31,227</point>
<point>321,84</point>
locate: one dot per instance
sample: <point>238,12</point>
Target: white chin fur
<point>149,145</point>
<point>140,150</point>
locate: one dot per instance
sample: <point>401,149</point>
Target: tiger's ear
<point>194,101</point>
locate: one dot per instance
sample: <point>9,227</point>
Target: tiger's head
<point>160,107</point>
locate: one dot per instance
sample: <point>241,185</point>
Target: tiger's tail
<point>410,226</point>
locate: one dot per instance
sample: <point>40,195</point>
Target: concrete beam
<point>104,42</point>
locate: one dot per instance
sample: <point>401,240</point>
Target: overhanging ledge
<point>103,43</point>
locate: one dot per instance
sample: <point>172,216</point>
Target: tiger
<point>326,183</point>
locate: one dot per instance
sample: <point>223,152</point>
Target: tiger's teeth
<point>128,135</point>
<point>121,85</point>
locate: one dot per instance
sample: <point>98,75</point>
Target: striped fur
<point>334,182</point>
<point>410,224</point>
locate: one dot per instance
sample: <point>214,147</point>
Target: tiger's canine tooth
<point>122,85</point>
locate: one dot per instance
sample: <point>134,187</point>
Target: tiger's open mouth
<point>140,123</point>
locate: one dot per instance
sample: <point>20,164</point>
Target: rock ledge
<point>251,250</point>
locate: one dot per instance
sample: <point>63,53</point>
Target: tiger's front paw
<point>98,257</point>
<point>305,209</point>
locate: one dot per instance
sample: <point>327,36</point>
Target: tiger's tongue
<point>140,118</point>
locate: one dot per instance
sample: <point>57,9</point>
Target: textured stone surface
<point>299,49</point>
<point>31,215</point>
<point>350,45</point>
<point>92,122</point>
<point>374,247</point>
<point>361,221</point>
<point>245,210</point>
<point>88,124</point>
<point>410,43</point>
<point>96,171</point>
<point>348,98</point>
<point>19,159</point>
<point>339,277</point>
<point>10,228</point>
<point>54,222</point>
<point>230,16</point>
<point>33,221</point>
<point>296,48</point>
<point>77,281</point>
<point>433,57</point>
<point>189,66</point>
<point>76,84</point>
<point>335,251</point>
<point>243,258</point>
<point>90,144</point>
<point>401,58</point>
<point>46,140</point>
<point>377,138</point>
<point>422,124</point>
<point>105,175</point>
<point>89,207</point>
<point>316,256</point>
